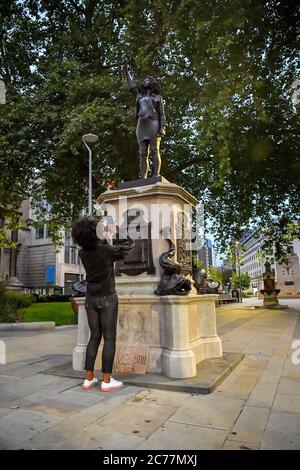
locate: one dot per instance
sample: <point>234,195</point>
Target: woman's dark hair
<point>84,233</point>
<point>153,86</point>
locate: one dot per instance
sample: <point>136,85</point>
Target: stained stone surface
<point>210,373</point>
<point>256,406</point>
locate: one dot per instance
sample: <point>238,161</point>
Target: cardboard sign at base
<point>131,359</point>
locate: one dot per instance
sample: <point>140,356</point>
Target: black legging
<point>102,314</point>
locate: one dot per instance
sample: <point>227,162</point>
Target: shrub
<point>9,314</point>
<point>247,293</point>
<point>2,290</point>
<point>11,302</point>
<point>20,300</point>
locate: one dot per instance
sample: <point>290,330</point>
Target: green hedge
<point>52,298</point>
<point>20,300</point>
<point>11,302</point>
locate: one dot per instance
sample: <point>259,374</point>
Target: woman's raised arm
<point>131,85</point>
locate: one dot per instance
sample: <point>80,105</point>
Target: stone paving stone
<point>7,379</point>
<point>209,410</point>
<point>138,418</point>
<point>262,395</point>
<point>291,370</point>
<point>260,346</point>
<point>23,424</point>
<point>23,369</point>
<point>80,397</point>
<point>288,423</point>
<point>282,349</point>
<point>63,403</point>
<point>5,411</point>
<point>79,420</point>
<point>177,436</point>
<point>20,346</point>
<point>289,386</point>
<point>40,357</point>
<point>54,407</point>
<point>94,438</point>
<point>273,440</point>
<point>162,397</point>
<point>273,370</point>
<point>250,425</point>
<point>237,386</point>
<point>55,436</point>
<point>288,403</point>
<point>243,380</point>
<point>29,385</point>
<point>252,365</point>
<point>8,398</point>
<point>237,445</point>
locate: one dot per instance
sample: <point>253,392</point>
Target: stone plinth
<point>180,330</point>
<point>160,205</point>
<point>270,298</point>
<point>14,285</point>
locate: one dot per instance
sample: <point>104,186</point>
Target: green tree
<point>227,70</point>
<point>215,274</point>
<point>244,281</point>
<point>226,276</point>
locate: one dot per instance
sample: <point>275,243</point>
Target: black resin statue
<point>151,121</point>
<point>172,282</point>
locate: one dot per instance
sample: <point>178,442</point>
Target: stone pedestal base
<point>180,331</point>
<point>270,301</point>
<point>178,364</point>
<point>273,306</point>
<point>13,284</point>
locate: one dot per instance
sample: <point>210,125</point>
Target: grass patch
<point>60,312</point>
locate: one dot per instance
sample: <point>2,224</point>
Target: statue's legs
<point>144,159</point>
<point>156,160</point>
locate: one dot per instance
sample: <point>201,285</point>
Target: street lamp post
<point>239,272</point>
<point>90,139</point>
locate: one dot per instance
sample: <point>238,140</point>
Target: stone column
<point>13,282</point>
<point>178,360</point>
<point>83,336</point>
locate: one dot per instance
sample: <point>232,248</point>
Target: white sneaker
<point>111,386</point>
<point>87,384</point>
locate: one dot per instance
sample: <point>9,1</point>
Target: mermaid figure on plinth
<point>151,121</point>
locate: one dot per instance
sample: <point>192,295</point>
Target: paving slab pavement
<point>256,407</point>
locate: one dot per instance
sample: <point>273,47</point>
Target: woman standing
<point>101,299</point>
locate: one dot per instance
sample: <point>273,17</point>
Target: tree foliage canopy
<point>226,68</point>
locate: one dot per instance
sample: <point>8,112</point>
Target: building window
<point>39,232</point>
<point>289,283</point>
<point>67,246</point>
<point>73,254</point>
<point>47,232</point>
